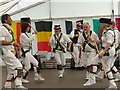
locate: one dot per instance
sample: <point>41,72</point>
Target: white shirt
<point>81,40</point>
<point>5,35</point>
<point>117,38</point>
<point>108,37</point>
<point>62,41</point>
<point>26,40</point>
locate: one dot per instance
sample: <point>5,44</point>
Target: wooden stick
<point>69,51</point>
<point>101,60</point>
<point>32,27</point>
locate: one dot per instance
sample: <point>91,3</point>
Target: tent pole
<point>50,18</point>
<point>112,16</point>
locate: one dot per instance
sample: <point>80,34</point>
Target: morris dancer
<point>56,42</point>
<point>26,46</point>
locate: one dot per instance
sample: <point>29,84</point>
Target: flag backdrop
<point>97,27</point>
<point>118,23</point>
<point>44,29</point>
<point>16,30</point>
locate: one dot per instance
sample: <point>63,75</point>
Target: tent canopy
<point>50,9</point>
<point>19,4</point>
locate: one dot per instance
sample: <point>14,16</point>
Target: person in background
<point>85,40</point>
<point>76,49</point>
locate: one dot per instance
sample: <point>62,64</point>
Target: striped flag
<point>97,27</point>
<point>16,30</point>
<point>44,29</point>
<point>118,23</point>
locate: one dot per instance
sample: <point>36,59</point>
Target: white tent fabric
<point>80,9</point>
<point>19,4</point>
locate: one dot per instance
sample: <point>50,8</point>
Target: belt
<point>59,49</point>
<point>104,48</point>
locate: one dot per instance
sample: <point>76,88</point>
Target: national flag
<point>16,30</point>
<point>118,23</point>
<point>44,29</point>
<point>97,27</point>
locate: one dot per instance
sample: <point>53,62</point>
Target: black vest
<point>75,39</point>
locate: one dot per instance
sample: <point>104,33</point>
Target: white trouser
<point>60,58</point>
<point>114,67</point>
<point>108,63</point>
<point>107,60</point>
<point>76,55</point>
<point>12,63</point>
<point>119,56</point>
<point>28,60</point>
<point>87,57</point>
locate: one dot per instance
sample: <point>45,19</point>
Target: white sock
<point>94,68</point>
<point>36,74</point>
<point>7,84</point>
<point>18,81</point>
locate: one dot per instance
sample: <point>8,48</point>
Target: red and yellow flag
<point>43,36</point>
<point>44,29</point>
<point>16,30</point>
<point>43,40</point>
